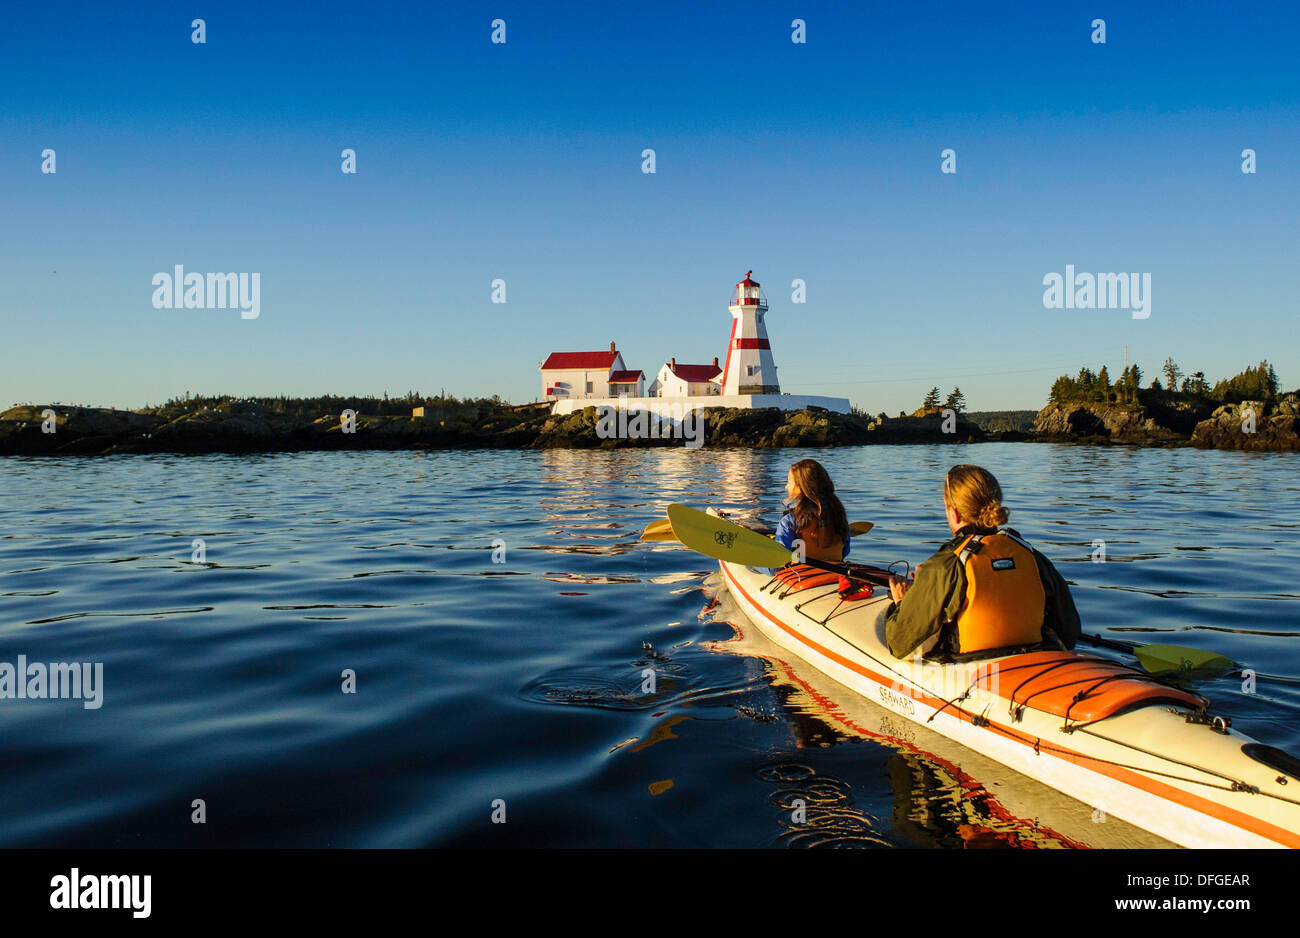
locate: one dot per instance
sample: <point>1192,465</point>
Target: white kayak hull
<point>1148,766</point>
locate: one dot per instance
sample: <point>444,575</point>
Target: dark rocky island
<point>245,427</point>
<point>1245,412</point>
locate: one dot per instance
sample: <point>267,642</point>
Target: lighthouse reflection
<point>598,502</point>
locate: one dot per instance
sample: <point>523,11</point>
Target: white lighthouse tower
<point>750,368</point>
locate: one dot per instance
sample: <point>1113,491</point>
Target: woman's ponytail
<point>976,495</point>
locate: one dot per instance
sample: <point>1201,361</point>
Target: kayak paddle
<point>1162,659</point>
<point>721,539</point>
<point>663,530</point>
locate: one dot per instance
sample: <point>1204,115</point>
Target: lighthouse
<point>750,368</point>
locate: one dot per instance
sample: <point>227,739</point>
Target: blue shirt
<point>787,532</point>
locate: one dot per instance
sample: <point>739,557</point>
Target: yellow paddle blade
<point>659,531</point>
<point>1159,659</point>
<point>716,537</point>
<point>663,530</point>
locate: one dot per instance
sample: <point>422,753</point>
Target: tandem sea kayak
<point>1105,734</point>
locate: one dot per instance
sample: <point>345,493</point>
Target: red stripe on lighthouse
<point>748,343</point>
<point>726,369</point>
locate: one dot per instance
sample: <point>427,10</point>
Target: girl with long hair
<point>813,513</point>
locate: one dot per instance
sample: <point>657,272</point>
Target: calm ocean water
<point>521,681</point>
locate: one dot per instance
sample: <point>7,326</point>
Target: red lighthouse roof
<point>748,281</point>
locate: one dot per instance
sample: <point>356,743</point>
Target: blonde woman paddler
<point>985,592</point>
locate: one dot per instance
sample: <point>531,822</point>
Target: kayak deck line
<point>1136,777</point>
<point>1236,785</point>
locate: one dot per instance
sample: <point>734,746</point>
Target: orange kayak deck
<point>799,577</point>
<point>1078,688</point>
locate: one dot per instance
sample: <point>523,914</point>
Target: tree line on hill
<point>1258,383</point>
<point>311,408</point>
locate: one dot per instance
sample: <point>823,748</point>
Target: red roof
<point>748,282</point>
<point>625,377</point>
<point>565,360</point>
<point>696,373</point>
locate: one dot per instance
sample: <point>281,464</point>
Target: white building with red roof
<point>588,376</point>
<point>676,380</point>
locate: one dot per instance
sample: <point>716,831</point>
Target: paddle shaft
<point>1110,643</point>
<point>879,579</point>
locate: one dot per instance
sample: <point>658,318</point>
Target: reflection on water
<point>817,810</point>
<point>513,638</point>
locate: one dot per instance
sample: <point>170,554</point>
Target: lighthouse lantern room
<point>750,368</point>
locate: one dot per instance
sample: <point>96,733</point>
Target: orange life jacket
<point>820,543</point>
<point>1004,600</point>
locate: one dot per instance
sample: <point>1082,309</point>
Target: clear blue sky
<point>523,161</point>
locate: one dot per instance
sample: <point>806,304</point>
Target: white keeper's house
<point>676,380</point>
<point>747,379</point>
<point>589,375</point>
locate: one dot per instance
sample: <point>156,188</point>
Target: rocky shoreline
<point>239,427</point>
<point>1256,426</point>
<point>26,430</point>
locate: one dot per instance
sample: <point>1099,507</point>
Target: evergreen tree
<point>1252,384</point>
<point>931,399</point>
<point>1102,392</point>
<point>956,401</point>
<point>1172,374</point>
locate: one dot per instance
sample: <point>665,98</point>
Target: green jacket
<point>931,604</point>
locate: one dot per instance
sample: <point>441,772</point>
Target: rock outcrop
<point>25,429</point>
<point>1158,421</point>
<point>765,428</point>
<point>1252,425</point>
